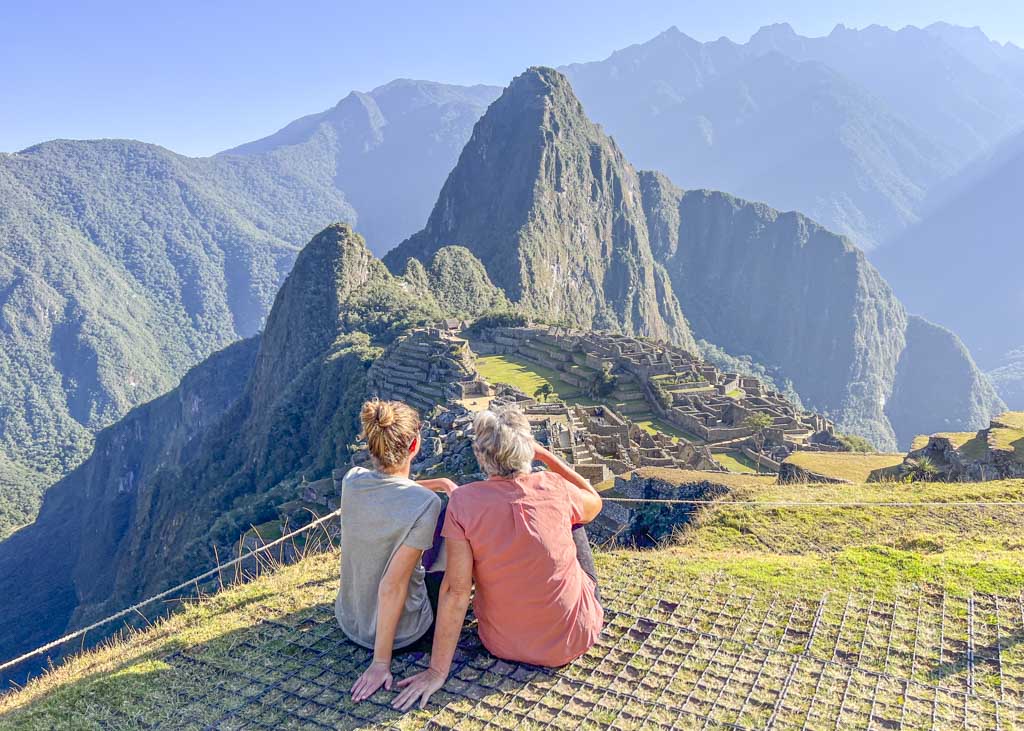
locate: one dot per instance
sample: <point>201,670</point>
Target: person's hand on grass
<point>418,687</point>
<point>375,676</point>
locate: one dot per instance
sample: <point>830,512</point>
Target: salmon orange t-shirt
<point>533,601</point>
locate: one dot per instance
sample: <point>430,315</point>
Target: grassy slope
<point>851,466</point>
<point>780,552</point>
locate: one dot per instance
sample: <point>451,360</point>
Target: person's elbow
<point>592,508</point>
<point>459,591</point>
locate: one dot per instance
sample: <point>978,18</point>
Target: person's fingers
<point>405,681</point>
<point>427,692</point>
<point>388,680</point>
<point>408,697</point>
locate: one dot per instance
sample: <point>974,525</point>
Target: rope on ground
<point>174,589</point>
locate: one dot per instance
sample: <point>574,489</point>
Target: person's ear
<point>414,447</point>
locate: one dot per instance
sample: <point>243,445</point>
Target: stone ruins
<point>605,426</point>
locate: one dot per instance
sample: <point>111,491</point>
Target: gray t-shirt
<point>379,514</point>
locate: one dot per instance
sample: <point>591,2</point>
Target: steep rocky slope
<point>194,468</point>
<point>798,298</point>
<point>552,209</point>
<point>121,265</point>
<point>387,151</point>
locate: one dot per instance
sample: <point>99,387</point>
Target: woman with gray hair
<point>519,535</point>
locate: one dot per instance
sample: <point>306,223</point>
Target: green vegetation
<point>528,377</point>
<point>121,266</point>
<point>737,462</point>
<point>850,466</point>
<point>855,443</point>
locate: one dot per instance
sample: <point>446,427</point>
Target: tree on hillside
<point>543,391</point>
<point>759,423</point>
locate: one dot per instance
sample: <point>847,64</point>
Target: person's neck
<point>402,470</point>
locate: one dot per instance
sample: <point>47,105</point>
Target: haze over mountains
<point>851,128</point>
<point>122,264</point>
<point>963,264</point>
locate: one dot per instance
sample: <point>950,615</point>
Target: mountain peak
<point>774,33</point>
<point>550,206</point>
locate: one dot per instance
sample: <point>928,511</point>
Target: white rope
<point>168,592</point>
<point>822,504</point>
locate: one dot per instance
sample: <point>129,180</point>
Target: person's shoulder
<point>466,494</point>
<point>548,478</point>
<point>414,492</point>
<point>355,474</point>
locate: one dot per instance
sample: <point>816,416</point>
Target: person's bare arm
<point>391,595</point>
<point>451,613</point>
<point>592,503</point>
<point>438,484</point>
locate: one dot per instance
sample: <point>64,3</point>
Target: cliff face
<point>552,209</point>
<point>937,385</point>
<point>194,468</point>
<point>805,301</point>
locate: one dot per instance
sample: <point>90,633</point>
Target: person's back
<point>387,522</point>
<point>380,513</point>
<point>534,602</point>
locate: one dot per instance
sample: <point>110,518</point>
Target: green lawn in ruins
<point>736,462</point>
<point>754,615</point>
<point>528,377</point>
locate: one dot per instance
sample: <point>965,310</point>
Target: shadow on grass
<point>293,671</point>
<point>984,656</point>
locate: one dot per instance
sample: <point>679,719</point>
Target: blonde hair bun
<point>389,428</point>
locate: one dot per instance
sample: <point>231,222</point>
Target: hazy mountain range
<point>122,264</point>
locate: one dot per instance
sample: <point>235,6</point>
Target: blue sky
<point>201,76</point>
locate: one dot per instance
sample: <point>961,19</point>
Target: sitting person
<point>387,522</point>
<point>515,534</point>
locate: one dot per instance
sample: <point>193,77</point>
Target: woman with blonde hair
<point>387,522</point>
<point>518,535</point>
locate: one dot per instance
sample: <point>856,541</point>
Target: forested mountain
<point>387,151</point>
<point>121,265</point>
<point>962,265</point>
<point>567,227</point>
<point>853,128</point>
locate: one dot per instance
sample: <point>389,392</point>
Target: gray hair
<point>503,442</point>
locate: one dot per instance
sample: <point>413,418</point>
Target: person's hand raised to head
<point>418,688</point>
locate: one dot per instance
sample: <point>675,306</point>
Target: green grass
<point>850,466</point>
<point>956,438</point>
<point>737,462</point>
<point>528,377</point>
<point>1011,419</point>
